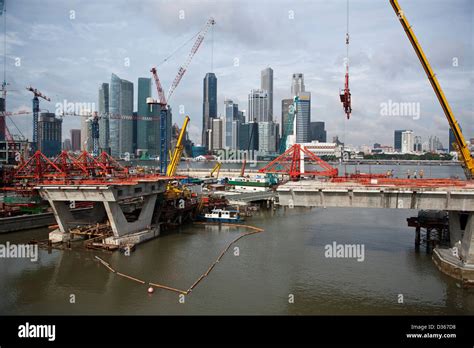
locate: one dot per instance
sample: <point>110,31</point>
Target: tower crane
<point>163,100</point>
<point>36,94</point>
<point>465,154</point>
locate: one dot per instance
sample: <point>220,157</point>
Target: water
<point>286,259</point>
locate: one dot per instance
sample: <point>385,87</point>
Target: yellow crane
<point>216,169</point>
<point>461,146</point>
<point>178,150</point>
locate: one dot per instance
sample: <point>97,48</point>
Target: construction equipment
<point>345,94</point>
<point>163,101</point>
<point>36,94</point>
<point>178,150</point>
<point>467,161</point>
<point>216,169</point>
<point>292,163</point>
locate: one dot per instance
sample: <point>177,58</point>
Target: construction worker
<point>414,175</point>
<point>421,173</point>
<point>408,174</point>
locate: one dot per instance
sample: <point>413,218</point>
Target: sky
<point>66,49</point>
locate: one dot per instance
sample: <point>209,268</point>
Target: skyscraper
<point>231,115</point>
<point>268,137</point>
<point>317,132</point>
<point>397,140</point>
<point>285,106</point>
<point>75,139</point>
<point>408,141</point>
<point>104,126</point>
<point>297,84</point>
<point>248,136</point>
<point>267,85</point>
<point>217,134</point>
<point>303,117</point>
<point>121,103</point>
<point>49,134</point>
<point>209,106</point>
<point>258,106</point>
<point>144,91</point>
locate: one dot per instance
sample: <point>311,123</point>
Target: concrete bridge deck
<point>313,193</point>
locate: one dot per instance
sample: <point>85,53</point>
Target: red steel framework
<point>289,163</point>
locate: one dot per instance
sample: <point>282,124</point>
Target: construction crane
<point>467,161</point>
<point>345,94</point>
<point>163,100</point>
<point>36,94</point>
<point>216,169</point>
<point>178,150</point>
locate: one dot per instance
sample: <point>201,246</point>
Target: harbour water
<point>287,261</point>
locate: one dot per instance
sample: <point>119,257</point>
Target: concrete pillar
<point>464,232</point>
<point>62,214</point>
<point>120,225</point>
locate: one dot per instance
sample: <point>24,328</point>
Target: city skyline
<point>381,66</point>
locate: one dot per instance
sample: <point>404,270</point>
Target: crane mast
<point>36,94</point>
<point>467,161</point>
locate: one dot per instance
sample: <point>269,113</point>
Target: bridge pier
<point>458,261</point>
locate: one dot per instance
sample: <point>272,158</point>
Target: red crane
<point>163,100</point>
<point>345,94</point>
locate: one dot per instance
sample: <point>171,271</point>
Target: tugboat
<point>222,215</point>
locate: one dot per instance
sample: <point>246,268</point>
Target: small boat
<point>222,215</point>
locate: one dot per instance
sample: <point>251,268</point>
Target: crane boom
<point>159,89</point>
<point>194,49</point>
<point>178,150</point>
<point>461,145</point>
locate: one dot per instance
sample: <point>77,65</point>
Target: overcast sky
<point>67,58</point>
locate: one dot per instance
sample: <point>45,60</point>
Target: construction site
<point>94,201</point>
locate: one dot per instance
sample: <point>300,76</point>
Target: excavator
<point>465,155</point>
<point>216,169</point>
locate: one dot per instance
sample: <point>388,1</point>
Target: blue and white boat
<point>222,215</point>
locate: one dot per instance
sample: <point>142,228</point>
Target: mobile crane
<point>461,146</point>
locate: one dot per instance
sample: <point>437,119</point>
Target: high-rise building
<point>121,128</point>
<point>67,146</point>
<point>434,144</point>
<point>49,134</point>
<point>144,91</point>
<point>417,144</point>
<point>317,132</point>
<point>303,117</point>
<point>268,134</point>
<point>104,125</point>
<point>397,140</point>
<point>231,115</point>
<point>248,136</point>
<point>209,106</point>
<point>285,107</point>
<point>297,84</point>
<point>258,106</point>
<point>75,139</point>
<point>266,84</point>
<point>408,141</point>
<point>217,134</point>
